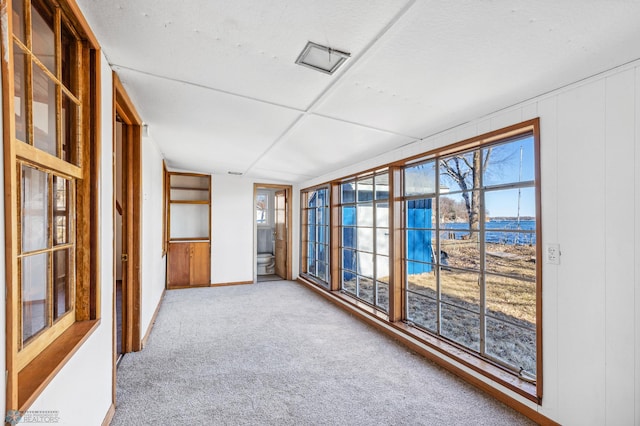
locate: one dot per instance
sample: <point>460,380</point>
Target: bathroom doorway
<point>272,232</point>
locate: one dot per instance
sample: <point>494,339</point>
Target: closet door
<point>178,264</point>
<point>200,264</point>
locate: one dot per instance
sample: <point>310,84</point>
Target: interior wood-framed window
<point>50,174</point>
<point>315,235</point>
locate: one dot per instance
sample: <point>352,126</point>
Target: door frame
<point>131,220</point>
<point>289,206</point>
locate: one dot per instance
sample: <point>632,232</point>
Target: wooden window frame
<point>29,371</point>
<point>304,252</point>
<point>393,322</point>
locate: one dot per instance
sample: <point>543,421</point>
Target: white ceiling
<point>217,83</point>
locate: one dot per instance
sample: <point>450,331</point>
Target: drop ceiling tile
<point>244,46</point>
<point>445,63</point>
<point>318,145</point>
<point>203,127</point>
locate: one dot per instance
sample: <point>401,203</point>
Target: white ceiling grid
<point>217,84</point>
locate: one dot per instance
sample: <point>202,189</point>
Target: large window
<point>365,238</point>
<point>315,240</point>
<point>448,244</point>
<point>471,250</point>
<point>50,281</point>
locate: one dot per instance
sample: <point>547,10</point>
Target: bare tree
<point>465,170</point>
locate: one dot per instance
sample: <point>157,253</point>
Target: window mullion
<point>482,275</point>
<point>50,277</point>
<point>58,63</point>
<point>374,215</point>
<point>436,261</point>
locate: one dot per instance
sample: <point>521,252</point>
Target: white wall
<point>232,237</point>
<point>590,167</point>
<point>153,261</point>
<point>233,246</point>
<point>81,391</point>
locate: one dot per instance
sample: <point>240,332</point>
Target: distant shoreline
<point>509,219</point>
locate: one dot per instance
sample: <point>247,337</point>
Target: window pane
<point>312,253</point>
<point>69,53</point>
<point>322,252</point>
<point>365,239</point>
<point>322,234</point>
<point>44,111</point>
<point>365,214</point>
<point>312,232</point>
<point>383,296</point>
<point>69,124</point>
<point>61,283</point>
<point>461,172</point>
<point>510,162</point>
<point>382,215</point>
<point>43,36</point>
<point>382,268</point>
<point>420,214</point>
<point>348,192</point>
<point>17,6</point>
<point>513,345</point>
<point>349,282</point>
<point>421,278</point>
<point>422,311</point>
<point>461,253</point>
<point>365,189</point>
<point>510,259</point>
<point>365,289</point>
<point>454,213</point>
<point>420,179</point>
<point>382,186</point>
<point>19,96</point>
<point>365,264</point>
<point>60,210</point>
<point>349,215</point>
<point>511,207</point>
<point>419,245</point>
<point>349,260</point>
<point>460,326</point>
<point>322,271</point>
<point>460,288</point>
<point>511,300</point>
<point>34,210</point>
<point>34,294</point>
<point>382,241</point>
<point>349,237</point>
<point>261,207</point>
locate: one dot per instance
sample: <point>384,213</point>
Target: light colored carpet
<point>275,353</point>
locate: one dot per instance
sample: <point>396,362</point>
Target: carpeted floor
<point>275,353</point>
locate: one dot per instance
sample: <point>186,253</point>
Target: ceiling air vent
<point>322,58</point>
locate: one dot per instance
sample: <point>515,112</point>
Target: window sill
<point>36,375</point>
<point>427,345</point>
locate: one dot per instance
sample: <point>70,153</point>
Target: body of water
<point>498,231</point>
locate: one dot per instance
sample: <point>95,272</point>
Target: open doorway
<point>272,232</point>
<point>127,127</point>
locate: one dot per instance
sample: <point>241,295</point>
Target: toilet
<point>266,263</point>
